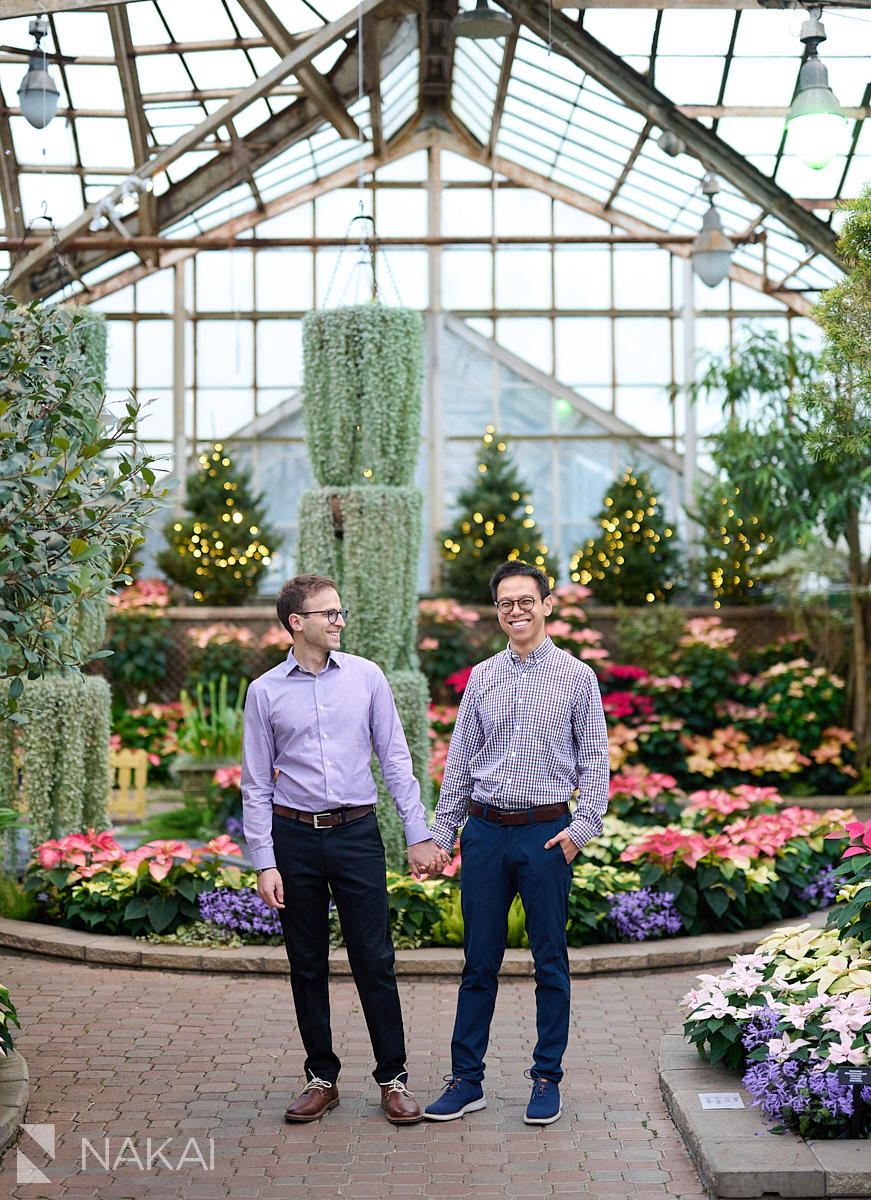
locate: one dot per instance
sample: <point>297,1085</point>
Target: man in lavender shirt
<point>308,800</point>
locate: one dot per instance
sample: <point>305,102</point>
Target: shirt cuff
<point>584,830</point>
<point>416,831</point>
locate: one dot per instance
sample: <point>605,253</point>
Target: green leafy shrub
<point>75,487</point>
<point>8,1016</point>
<point>88,881</point>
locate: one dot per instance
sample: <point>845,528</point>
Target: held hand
<point>426,859</point>
<point>569,849</point>
<point>270,887</point>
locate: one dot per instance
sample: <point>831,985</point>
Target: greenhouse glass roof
<point>178,122</point>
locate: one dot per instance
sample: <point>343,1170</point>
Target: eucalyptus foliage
<point>363,369</point>
<point>362,526</point>
<point>63,750</point>
<point>75,487</point>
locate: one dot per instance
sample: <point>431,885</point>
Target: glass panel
<point>221,411</point>
<point>648,409</point>
<point>522,407</point>
<point>284,280</point>
<point>641,278</point>
<point>154,341</point>
<point>412,167</point>
<point>466,279</point>
<point>585,474</point>
<point>583,277</point>
<point>403,277</point>
<point>400,212</point>
<point>156,420</point>
<point>466,365</point>
<point>468,411</point>
<point>279,354</point>
<point>154,293</point>
<point>520,212</point>
<point>467,211</point>
<point>523,278</point>
<point>224,353</point>
<point>643,350</point>
<point>529,338</point>
<point>225,281</point>
<point>583,351</point>
<point>119,367</point>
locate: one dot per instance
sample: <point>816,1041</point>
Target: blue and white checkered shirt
<point>528,732</point>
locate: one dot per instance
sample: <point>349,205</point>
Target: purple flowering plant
<point>788,1016</point>
<point>242,911</point>
<point>643,914</point>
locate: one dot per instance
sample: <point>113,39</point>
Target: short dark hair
<point>518,567</point>
<point>296,591</point>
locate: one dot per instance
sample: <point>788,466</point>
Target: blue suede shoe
<point>544,1104</point>
<point>460,1096</point>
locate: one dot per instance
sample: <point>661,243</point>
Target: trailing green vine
<point>363,368</point>
<point>64,755</point>
<point>369,539</point>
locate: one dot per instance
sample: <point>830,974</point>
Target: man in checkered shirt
<point>530,732</point>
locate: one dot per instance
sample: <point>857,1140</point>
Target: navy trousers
<point>500,862</point>
<point>347,861</point>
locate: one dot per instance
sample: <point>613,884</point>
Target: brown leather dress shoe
<point>399,1104</point>
<point>317,1097</point>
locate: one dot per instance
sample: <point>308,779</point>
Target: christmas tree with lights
<point>219,552</point>
<point>735,548</point>
<point>635,559</point>
<point>495,525</point>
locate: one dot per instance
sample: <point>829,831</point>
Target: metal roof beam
<point>147,170</point>
<point>26,8</point>
<point>502,89</point>
<point>634,90</point>
<point>372,80</point>
<point>122,40</point>
<point>272,208</point>
<point>320,89</point>
<point>9,190</point>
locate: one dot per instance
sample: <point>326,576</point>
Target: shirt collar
<point>535,656</point>
<point>291,665</point>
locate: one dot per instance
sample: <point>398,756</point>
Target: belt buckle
<point>316,820</point>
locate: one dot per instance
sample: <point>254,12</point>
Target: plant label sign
<point>721,1100</point>
<point>858,1076</point>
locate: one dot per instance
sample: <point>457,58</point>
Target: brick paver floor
<point>204,1065</point>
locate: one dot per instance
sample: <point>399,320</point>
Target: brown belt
<point>325,820</point>
<point>523,816</point>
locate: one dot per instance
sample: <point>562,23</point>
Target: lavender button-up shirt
<point>308,744</point>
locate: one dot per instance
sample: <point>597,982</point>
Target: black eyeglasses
<point>525,604</point>
<point>332,614</point>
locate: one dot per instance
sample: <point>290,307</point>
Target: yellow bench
<point>128,775</point>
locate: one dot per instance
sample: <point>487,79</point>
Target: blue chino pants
<point>500,862</point>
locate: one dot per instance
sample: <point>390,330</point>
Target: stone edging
<point>735,1154</point>
<point>100,949</point>
<point>14,1094</point>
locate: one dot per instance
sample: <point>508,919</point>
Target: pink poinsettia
<point>668,847</point>
<point>228,777</point>
<point>860,837</point>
